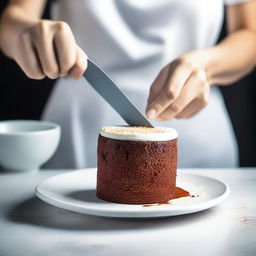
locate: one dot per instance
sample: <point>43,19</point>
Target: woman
<point>166,46</point>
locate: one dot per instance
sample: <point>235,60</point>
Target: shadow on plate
<point>36,212</point>
<point>86,195</point>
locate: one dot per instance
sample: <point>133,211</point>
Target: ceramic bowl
<point>25,145</point>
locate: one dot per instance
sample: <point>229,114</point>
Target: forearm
<point>18,15</point>
<point>231,59</point>
<point>31,8</point>
<point>235,56</point>
<point>228,61</point>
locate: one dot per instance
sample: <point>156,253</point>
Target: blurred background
<point>23,98</point>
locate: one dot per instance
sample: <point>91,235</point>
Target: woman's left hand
<point>181,89</point>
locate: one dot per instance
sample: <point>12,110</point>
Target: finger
<point>27,59</point>
<point>174,109</point>
<point>188,94</point>
<point>158,84</point>
<point>80,65</point>
<point>45,50</point>
<point>178,75</point>
<point>66,48</point>
<point>193,108</point>
<point>202,99</point>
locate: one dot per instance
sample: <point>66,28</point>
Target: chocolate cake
<point>136,165</point>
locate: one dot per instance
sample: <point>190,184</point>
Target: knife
<point>98,79</point>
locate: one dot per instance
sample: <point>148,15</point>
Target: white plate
<point>75,191</point>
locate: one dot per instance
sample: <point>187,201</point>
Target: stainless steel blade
<point>114,96</point>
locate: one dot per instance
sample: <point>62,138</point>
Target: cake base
<point>136,172</point>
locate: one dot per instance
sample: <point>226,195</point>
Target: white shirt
<point>132,40</point>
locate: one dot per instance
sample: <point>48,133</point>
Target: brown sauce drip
<point>179,192</point>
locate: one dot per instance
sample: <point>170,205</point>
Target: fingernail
<point>151,113</point>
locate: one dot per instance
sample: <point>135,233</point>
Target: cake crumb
<point>195,195</point>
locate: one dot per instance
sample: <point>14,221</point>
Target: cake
<point>136,165</point>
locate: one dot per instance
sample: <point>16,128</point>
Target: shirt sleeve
<point>230,2</point>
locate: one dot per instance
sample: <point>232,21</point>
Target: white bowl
<point>25,145</point>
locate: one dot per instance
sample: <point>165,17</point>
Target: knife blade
<point>98,79</point>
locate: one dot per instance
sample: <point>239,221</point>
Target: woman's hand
<point>180,90</point>
<point>182,87</point>
<point>42,47</point>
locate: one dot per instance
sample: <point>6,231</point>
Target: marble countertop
<point>28,226</point>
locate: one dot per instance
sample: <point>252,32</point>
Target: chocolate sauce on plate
<point>179,192</point>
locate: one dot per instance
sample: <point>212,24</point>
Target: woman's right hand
<point>44,48</point>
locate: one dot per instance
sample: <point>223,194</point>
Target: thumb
<point>80,65</point>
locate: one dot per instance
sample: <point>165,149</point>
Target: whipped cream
<point>138,133</point>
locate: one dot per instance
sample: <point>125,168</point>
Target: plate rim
<point>147,212</point>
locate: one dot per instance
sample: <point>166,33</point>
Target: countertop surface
<point>28,226</point>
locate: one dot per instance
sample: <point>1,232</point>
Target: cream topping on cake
<point>138,133</point>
